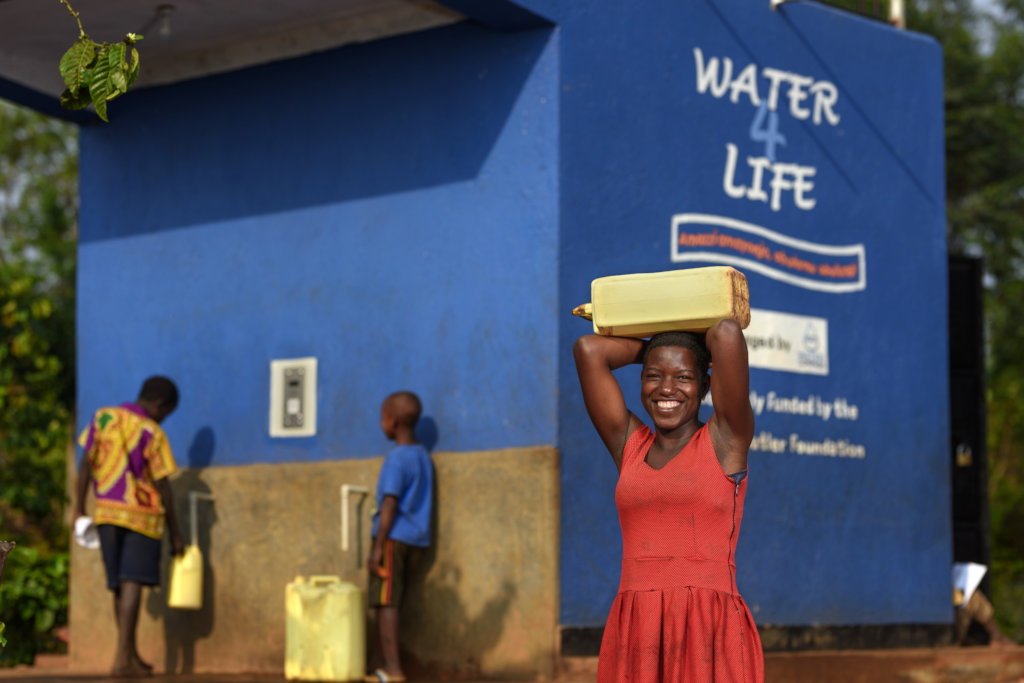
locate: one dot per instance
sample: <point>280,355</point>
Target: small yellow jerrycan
<point>187,580</point>
<point>187,570</point>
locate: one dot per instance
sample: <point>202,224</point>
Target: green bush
<point>1007,577</point>
<point>1006,572</point>
<point>33,602</point>
<point>38,208</point>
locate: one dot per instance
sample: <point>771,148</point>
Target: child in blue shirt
<point>401,524</point>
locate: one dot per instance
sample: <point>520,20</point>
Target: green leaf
<point>44,620</point>
<point>42,308</point>
<point>79,101</point>
<point>118,74</point>
<point>75,62</point>
<point>3,641</point>
<point>133,69</point>
<point>100,86</point>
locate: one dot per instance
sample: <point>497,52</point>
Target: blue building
<point>416,195</point>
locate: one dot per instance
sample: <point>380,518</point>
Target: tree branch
<point>81,31</point>
<point>5,548</point>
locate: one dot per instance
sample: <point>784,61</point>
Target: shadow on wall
<point>440,619</point>
<point>427,434</point>
<point>182,627</point>
<point>434,617</point>
<point>384,117</point>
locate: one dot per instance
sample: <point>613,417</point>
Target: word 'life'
<point>784,178</point>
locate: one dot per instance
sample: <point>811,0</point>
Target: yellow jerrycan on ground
<point>689,299</point>
<point>325,630</point>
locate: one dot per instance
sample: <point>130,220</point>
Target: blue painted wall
<point>390,208</point>
<point>424,211</point>
<point>825,540</point>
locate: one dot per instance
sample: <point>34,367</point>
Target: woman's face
<point>671,387</point>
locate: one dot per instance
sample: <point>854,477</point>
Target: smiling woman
<point>678,614</point>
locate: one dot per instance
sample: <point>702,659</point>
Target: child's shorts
<point>395,560</point>
<point>129,556</point>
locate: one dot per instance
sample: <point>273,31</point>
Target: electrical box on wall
<point>293,397</point>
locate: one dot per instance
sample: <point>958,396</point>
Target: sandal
<point>381,676</point>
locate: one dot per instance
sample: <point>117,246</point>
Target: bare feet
<point>998,640</point>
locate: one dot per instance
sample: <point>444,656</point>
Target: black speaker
<point>969,461</point>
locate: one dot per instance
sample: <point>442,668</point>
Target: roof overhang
<point>186,39</point>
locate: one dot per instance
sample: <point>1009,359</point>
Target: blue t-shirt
<point>408,475</point>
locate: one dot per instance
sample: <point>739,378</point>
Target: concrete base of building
<point>920,665</point>
<point>925,665</point>
<point>481,603</point>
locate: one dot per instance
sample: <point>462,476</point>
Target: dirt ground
<point>925,665</point>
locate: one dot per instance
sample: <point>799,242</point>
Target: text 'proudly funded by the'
<point>811,405</point>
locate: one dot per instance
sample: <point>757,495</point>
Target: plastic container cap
<point>86,534</point>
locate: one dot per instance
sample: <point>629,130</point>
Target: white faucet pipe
<point>193,496</point>
<point>345,490</point>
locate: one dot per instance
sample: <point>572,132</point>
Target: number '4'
<point>767,131</point>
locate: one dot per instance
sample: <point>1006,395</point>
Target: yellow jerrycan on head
<point>689,299</point>
<point>325,630</point>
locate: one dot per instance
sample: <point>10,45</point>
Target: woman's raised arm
<point>596,357</point>
<point>732,423</point>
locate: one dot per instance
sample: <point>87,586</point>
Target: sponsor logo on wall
<point>787,342</point>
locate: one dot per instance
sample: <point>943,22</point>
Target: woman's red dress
<point>678,615</point>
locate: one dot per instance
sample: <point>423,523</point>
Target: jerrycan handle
<point>585,311</point>
<point>324,578</point>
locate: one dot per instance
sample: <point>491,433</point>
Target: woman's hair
<point>687,340</point>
